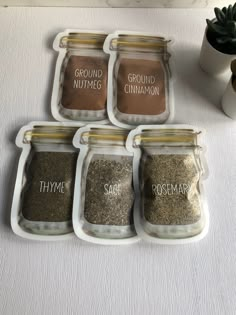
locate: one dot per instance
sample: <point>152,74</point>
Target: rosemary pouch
<point>43,196</point>
<point>170,204</point>
<point>139,79</point>
<point>80,82</point>
<point>104,197</point>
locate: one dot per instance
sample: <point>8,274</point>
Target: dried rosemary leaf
<point>171,195</point>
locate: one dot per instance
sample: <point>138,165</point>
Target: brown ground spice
<point>141,87</point>
<point>85,83</point>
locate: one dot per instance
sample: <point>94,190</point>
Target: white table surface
<point>77,278</point>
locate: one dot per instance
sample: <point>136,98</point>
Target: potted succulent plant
<point>219,42</point>
<point>229,97</point>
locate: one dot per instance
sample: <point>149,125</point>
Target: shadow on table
<point>189,72</point>
<point>9,177</point>
<point>50,78</point>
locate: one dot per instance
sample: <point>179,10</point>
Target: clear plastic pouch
<point>80,82</point>
<point>103,201</point>
<point>170,205</point>
<point>139,79</point>
<point>43,196</point>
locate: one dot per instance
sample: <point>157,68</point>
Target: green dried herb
<point>109,193</point>
<point>171,194</point>
<point>48,193</point>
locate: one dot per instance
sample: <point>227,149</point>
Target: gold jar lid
<point>139,42</point>
<point>187,137</point>
<point>75,40</point>
<point>51,134</point>
<point>104,136</point>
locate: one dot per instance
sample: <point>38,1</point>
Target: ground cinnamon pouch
<point>168,171</point>
<point>43,197</point>
<point>80,83</point>
<point>139,90</point>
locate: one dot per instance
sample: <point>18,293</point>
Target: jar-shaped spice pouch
<point>80,82</point>
<point>139,86</point>
<point>104,197</point>
<point>170,205</point>
<point>43,196</point>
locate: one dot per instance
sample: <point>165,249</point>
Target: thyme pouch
<point>139,89</point>
<point>80,83</point>
<point>168,171</point>
<point>43,197</point>
<point>103,207</point>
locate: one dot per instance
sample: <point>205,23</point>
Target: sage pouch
<point>104,196</point>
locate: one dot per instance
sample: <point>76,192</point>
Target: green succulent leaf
<point>234,8</point>
<point>220,15</point>
<point>234,12</point>
<point>222,30</point>
<point>224,10</point>
<point>216,28</point>
<point>226,40</point>
<point>231,27</point>
<point>223,40</point>
<point>229,14</point>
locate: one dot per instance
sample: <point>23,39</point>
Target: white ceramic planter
<point>229,101</point>
<point>213,61</point>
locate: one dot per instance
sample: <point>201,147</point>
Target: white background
<point>118,3</point>
<point>77,278</point>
